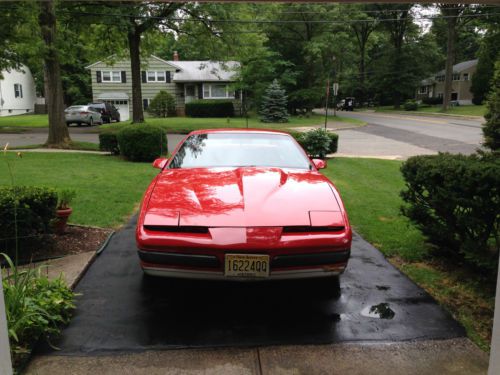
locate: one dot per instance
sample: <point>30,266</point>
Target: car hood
<point>240,197</point>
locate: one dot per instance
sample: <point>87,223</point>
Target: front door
<point>190,92</point>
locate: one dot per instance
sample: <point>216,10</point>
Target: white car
<point>83,114</point>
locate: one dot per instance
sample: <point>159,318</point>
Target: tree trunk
<point>450,57</point>
<point>134,41</point>
<point>58,131</point>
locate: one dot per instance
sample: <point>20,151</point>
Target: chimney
<point>176,56</point>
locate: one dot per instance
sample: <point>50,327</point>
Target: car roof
<point>237,130</point>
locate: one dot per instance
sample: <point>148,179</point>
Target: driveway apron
<point>120,311</point>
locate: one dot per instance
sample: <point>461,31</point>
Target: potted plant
<point>63,210</point>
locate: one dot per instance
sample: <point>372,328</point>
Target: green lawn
<point>74,145</point>
<point>464,110</point>
<point>185,124</point>
<point>109,189</point>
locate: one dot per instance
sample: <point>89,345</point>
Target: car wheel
<point>67,124</point>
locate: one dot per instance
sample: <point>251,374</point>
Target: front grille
<point>308,229</point>
<point>177,229</point>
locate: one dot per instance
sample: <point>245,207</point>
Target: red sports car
<point>242,205</point>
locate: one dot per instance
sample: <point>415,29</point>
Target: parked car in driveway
<point>242,205</point>
<point>108,111</point>
<point>83,114</point>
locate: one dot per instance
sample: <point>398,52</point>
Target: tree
<point>489,52</point>
<point>274,104</point>
<point>58,131</point>
<point>491,129</point>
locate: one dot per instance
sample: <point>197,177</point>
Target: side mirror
<point>319,164</point>
<point>160,163</point>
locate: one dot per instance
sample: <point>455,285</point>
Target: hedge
<point>210,108</point>
<point>455,202</point>
<point>108,141</point>
<point>411,105</point>
<point>35,209</point>
<point>432,101</point>
<point>142,142</point>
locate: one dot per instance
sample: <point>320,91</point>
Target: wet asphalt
<point>121,311</point>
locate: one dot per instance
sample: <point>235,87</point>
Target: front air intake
<point>177,229</point>
<point>309,229</point>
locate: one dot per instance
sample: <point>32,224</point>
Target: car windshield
<point>239,150</point>
<point>76,108</point>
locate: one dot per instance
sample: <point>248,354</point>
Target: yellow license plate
<point>246,265</point>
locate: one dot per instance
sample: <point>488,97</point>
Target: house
<point>185,80</point>
<point>433,87</point>
<point>17,92</point>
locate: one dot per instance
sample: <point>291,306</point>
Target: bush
<point>455,201</point>
<point>108,141</point>
<point>142,142</point>
<point>162,105</point>
<point>34,306</point>
<point>210,108</point>
<point>35,209</point>
<point>432,101</point>
<point>491,129</point>
<point>411,105</point>
<point>310,142</point>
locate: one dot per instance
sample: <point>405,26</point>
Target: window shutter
<point>143,76</point>
<point>124,76</point>
<point>200,90</point>
<point>167,77</point>
<point>98,76</point>
<point>145,103</point>
<point>21,90</point>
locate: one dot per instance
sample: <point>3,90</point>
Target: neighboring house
<point>433,87</point>
<point>17,92</point>
<point>185,80</point>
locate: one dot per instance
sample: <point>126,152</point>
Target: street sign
<point>335,88</point>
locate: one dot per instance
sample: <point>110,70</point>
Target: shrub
<point>411,105</point>
<point>34,208</point>
<point>34,306</point>
<point>455,201</point>
<point>142,142</point>
<point>432,101</point>
<point>210,108</point>
<point>162,105</point>
<point>108,141</point>
<point>491,129</point>
<point>309,142</point>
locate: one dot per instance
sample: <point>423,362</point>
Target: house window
<point>156,76</point>
<point>111,76</point>
<point>217,91</point>
<point>440,94</point>
<point>423,90</point>
<point>456,76</point>
<point>440,78</point>
<point>18,90</point>
<point>466,76</point>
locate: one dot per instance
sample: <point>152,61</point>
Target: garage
<point>120,100</point>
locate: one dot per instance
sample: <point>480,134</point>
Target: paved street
<point>387,135</point>
<point>401,136</point>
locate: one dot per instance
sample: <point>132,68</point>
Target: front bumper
<point>194,266</point>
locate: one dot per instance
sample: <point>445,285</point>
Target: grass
<point>184,124</point>
<point>24,121</point>
<point>464,110</point>
<point>108,189</point>
<point>370,190</point>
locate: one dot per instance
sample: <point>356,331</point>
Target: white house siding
<point>149,89</point>
<point>9,104</point>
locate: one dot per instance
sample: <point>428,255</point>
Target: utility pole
<point>494,367</point>
<point>326,101</point>
<point>5,360</point>
<point>335,91</point>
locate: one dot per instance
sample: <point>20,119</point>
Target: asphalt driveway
<point>118,311</point>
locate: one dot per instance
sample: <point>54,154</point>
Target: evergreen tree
<point>491,129</point>
<point>274,104</point>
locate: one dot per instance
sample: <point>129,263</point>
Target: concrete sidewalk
<point>456,356</point>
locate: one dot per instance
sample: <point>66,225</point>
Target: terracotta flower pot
<point>62,216</point>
